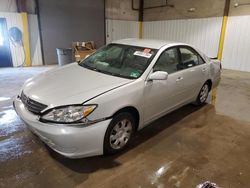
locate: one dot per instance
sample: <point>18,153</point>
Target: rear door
<point>195,71</point>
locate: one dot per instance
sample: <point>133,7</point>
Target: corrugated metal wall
<point>202,33</point>
<point>17,51</point>
<point>236,53</point>
<point>35,43</point>
<point>119,29</point>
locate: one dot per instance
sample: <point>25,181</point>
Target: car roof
<point>148,43</point>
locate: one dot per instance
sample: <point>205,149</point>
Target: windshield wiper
<point>112,73</point>
<point>105,72</point>
<point>86,66</point>
<point>95,69</point>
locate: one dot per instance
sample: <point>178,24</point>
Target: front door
<point>162,96</point>
<point>5,55</point>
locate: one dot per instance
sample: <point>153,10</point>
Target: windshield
<point>120,60</point>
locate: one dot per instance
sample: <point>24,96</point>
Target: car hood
<point>70,84</point>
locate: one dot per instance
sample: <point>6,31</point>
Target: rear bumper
<point>70,141</point>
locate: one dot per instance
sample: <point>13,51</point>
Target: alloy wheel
<point>204,93</point>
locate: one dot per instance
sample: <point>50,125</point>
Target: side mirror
<point>158,75</point>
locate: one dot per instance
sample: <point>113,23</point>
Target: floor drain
<point>207,184</point>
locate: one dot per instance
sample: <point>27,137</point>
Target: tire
<point>119,133</point>
<point>203,94</point>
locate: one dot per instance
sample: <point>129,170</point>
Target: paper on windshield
<point>143,54</point>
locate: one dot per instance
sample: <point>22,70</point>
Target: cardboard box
<point>82,49</point>
<point>79,55</point>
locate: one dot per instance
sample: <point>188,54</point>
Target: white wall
<point>35,43</point>
<point>203,33</point>
<point>236,53</point>
<point>120,29</point>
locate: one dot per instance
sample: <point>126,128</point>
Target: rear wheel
<point>203,94</point>
<point>119,133</point>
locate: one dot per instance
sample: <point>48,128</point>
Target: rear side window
<point>190,57</point>
<point>201,61</point>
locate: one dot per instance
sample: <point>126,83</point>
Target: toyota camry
<point>95,106</point>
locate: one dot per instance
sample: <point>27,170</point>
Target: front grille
<point>31,105</point>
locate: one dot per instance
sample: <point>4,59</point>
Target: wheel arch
<point>133,111</point>
<point>210,83</point>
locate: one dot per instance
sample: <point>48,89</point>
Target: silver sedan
<point>95,106</point>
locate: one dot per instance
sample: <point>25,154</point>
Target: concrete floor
<point>182,149</point>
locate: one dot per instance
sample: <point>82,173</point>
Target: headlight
<point>69,114</point>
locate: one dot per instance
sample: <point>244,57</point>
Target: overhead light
<point>192,9</point>
<point>240,4</point>
<point>236,5</point>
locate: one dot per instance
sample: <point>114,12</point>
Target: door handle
<point>179,79</point>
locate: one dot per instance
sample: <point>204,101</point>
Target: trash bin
<point>64,56</point>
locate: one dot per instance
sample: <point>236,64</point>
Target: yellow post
<point>140,29</point>
<point>220,51</point>
<point>214,93</point>
<point>222,37</point>
<point>26,42</point>
<point>221,44</point>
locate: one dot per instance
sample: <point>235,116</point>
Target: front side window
<point>120,60</point>
<point>168,61</point>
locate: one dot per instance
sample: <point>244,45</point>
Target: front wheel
<point>119,133</point>
<point>203,94</point>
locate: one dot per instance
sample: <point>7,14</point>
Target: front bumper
<point>70,141</point>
